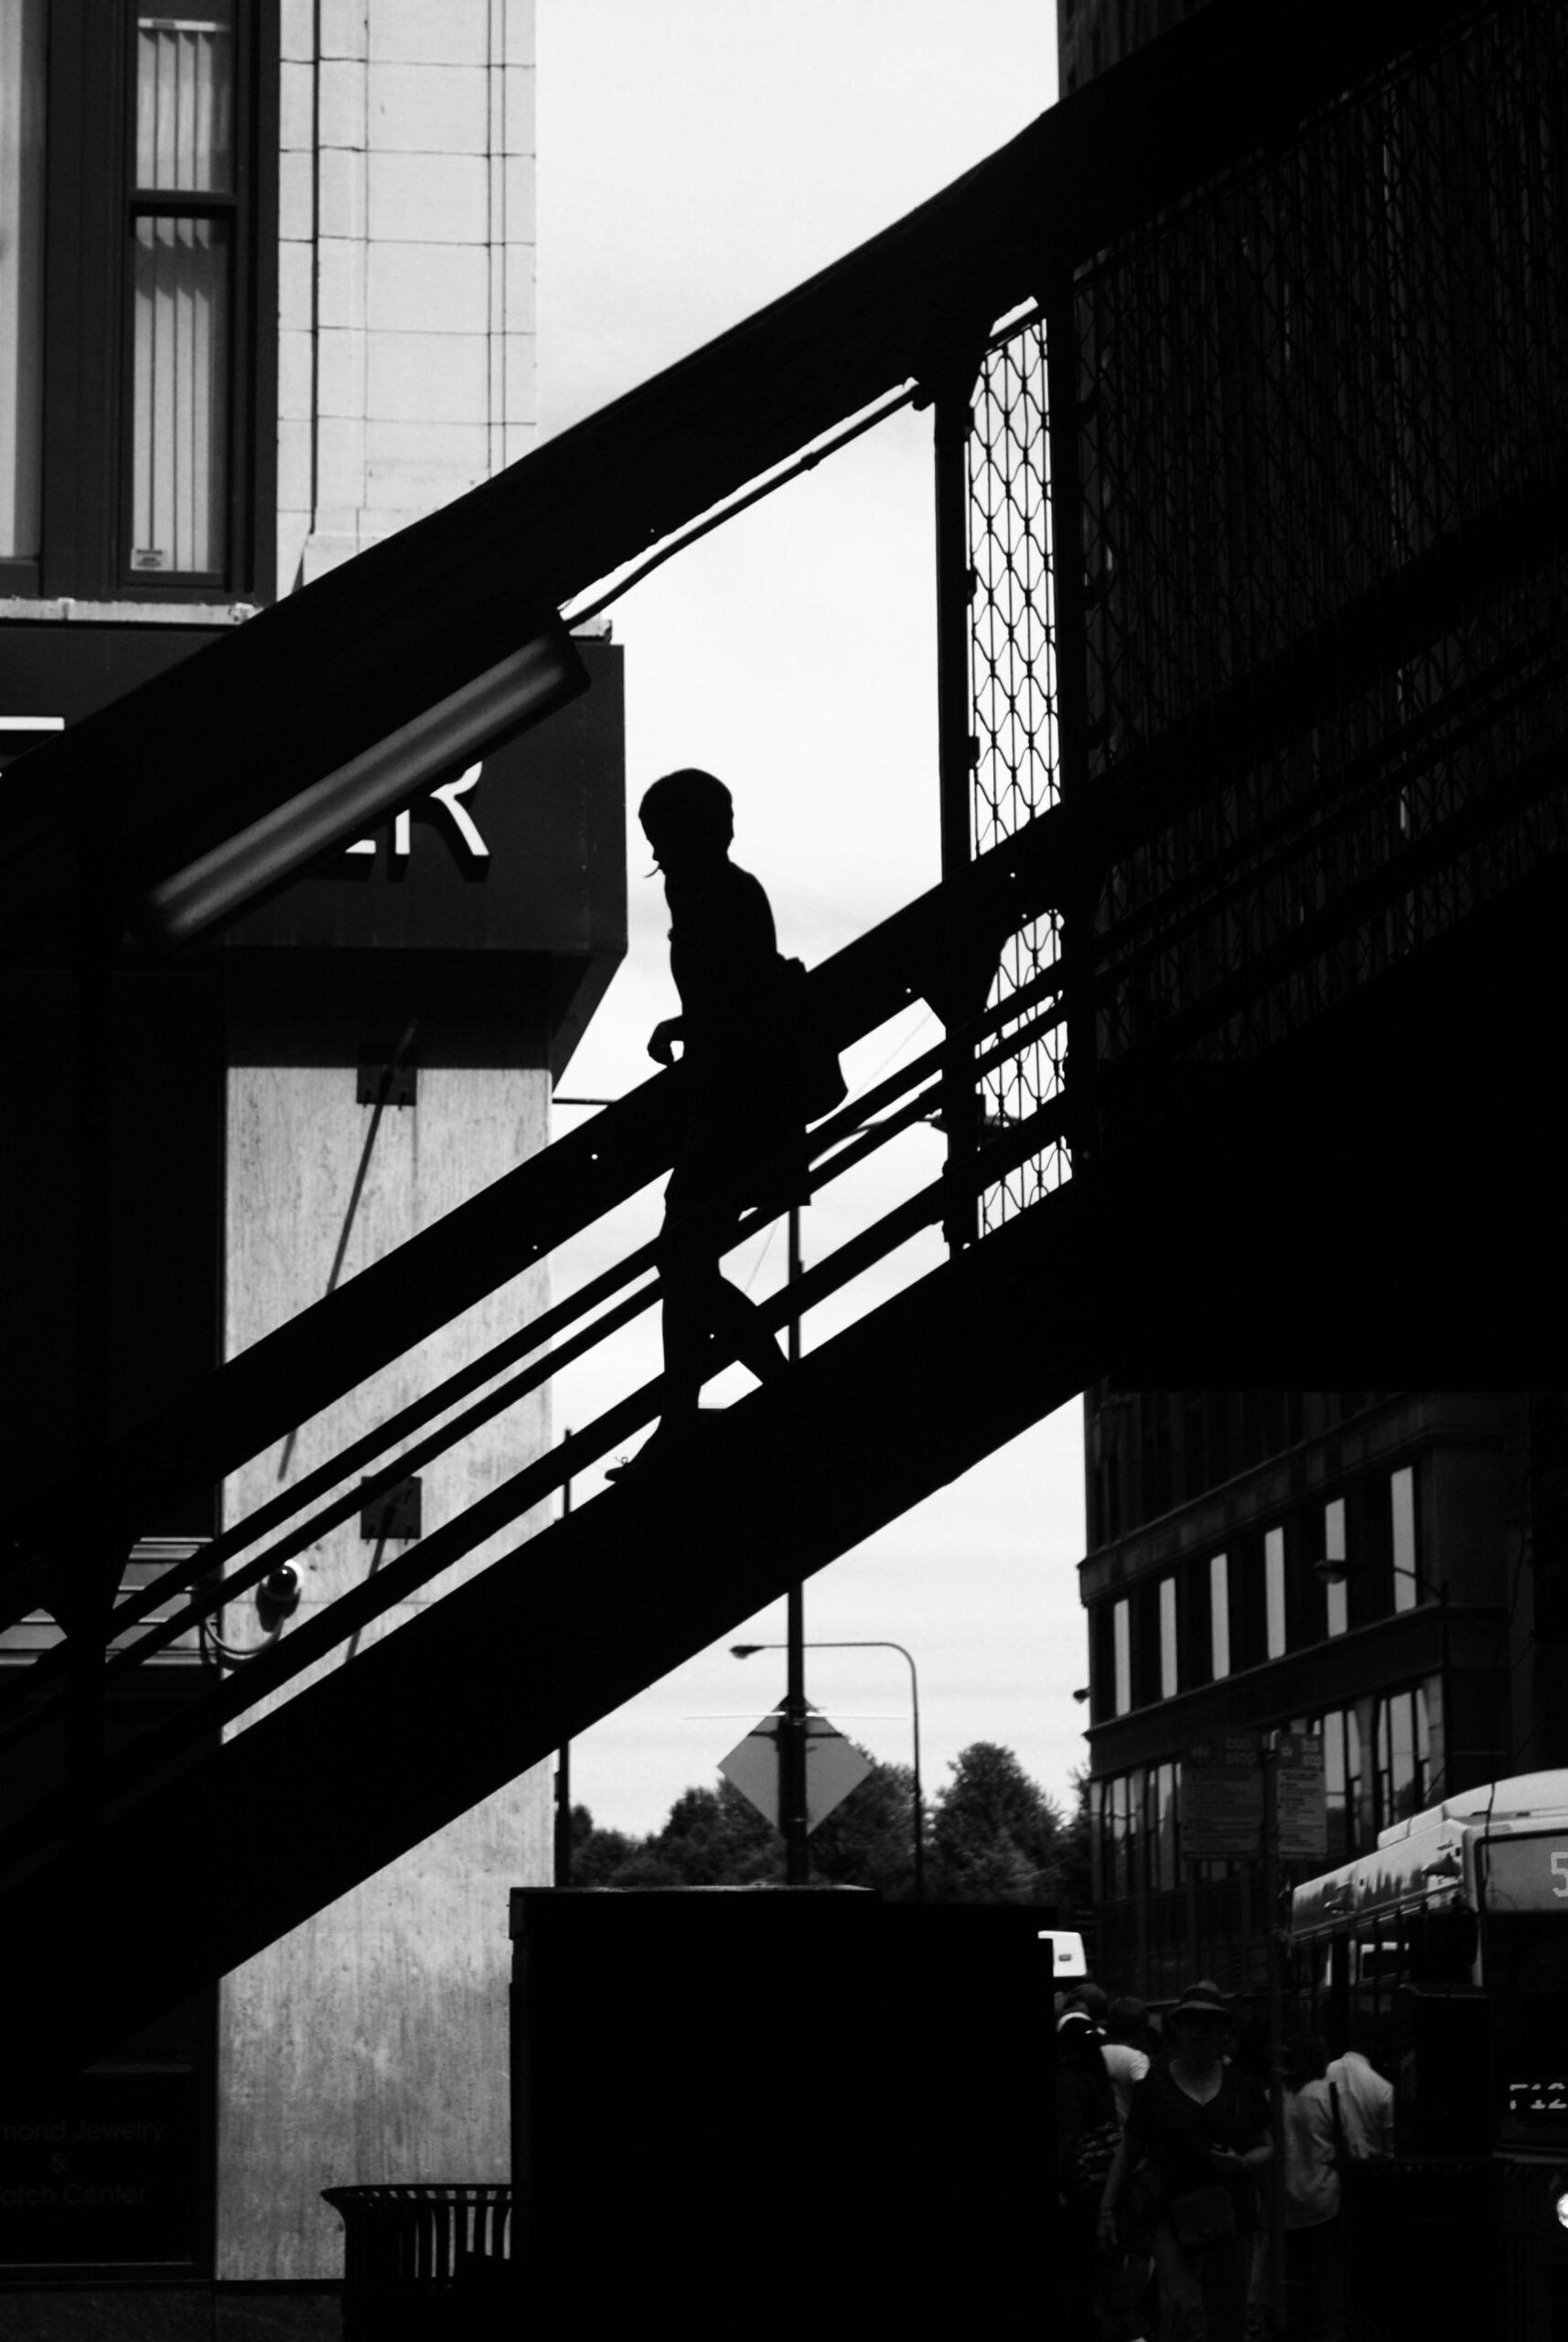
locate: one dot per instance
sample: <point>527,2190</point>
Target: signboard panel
<point>1528,1874</point>
<point>1222,1797</point>
<point>1303,1807</point>
<point>523,851</point>
<point>106,2171</point>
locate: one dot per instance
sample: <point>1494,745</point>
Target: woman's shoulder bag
<point>810,1061</point>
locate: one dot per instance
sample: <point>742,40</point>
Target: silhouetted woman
<point>742,1132</point>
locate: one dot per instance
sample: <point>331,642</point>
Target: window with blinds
<point>23,46</point>
<point>182,241</point>
<point>139,158</point>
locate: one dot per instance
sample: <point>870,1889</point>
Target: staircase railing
<point>943,947</point>
<point>1146,1031</point>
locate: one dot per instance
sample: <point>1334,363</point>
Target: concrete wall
<point>371,2044</point>
<point>406,275</point>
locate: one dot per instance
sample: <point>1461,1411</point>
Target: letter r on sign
<point>447,795</point>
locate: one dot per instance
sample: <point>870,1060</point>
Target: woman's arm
<point>1250,2121</point>
<point>1116,2180</point>
<point>661,1040</point>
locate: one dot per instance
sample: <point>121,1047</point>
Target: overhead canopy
<point>316,680</point>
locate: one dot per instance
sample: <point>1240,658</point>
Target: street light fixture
<point>749,1651</point>
<point>1334,1569</point>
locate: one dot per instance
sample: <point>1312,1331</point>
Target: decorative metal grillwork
<point>1323,434</point>
<point>1013,683</point>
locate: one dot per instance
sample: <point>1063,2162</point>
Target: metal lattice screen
<point>1012,686</point>
<point>1314,393</point>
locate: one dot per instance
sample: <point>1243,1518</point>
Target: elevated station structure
<point>1250,428</point>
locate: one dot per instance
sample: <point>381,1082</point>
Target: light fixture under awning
<point>520,690</point>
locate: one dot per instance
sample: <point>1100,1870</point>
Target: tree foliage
<point>992,1835</point>
<point>996,1832</point>
<point>869,1840</point>
<point>1077,1863</point>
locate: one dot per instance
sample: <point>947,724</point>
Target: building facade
<point>1293,411</point>
<point>1377,1568</point>
<point>1094,34</point>
<point>271,299</point>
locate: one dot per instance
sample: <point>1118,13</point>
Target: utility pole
<point>964,991</point>
<point>1269,1753</point>
<point>564,1755</point>
<point>792,1817</point>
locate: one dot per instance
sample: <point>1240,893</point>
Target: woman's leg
<point>700,1303</point>
<point>1181,2316</point>
<point>738,1324</point>
<point>1226,2268</point>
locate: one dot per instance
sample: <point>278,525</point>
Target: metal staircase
<point>1291,914</point>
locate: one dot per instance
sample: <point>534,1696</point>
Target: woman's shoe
<point>670,1448</point>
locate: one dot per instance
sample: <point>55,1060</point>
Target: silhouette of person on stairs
<point>743,1134</point>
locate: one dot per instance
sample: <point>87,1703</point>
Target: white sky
<point>696,159</point>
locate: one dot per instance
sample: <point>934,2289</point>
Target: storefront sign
<point>522,850</point>
<point>108,2173</point>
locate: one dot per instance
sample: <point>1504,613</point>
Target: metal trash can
<point>426,2260</point>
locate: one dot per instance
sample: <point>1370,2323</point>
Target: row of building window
<point>1150,1451</point>
<point>1377,1767</point>
<point>1256,1600</point>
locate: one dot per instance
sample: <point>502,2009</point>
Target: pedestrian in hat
<point>1198,2130</point>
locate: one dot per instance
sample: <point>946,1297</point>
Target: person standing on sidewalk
<point>1313,2266</point>
<point>1198,2130</point>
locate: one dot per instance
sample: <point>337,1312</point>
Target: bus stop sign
<point>1222,1797</point>
<point>1302,1807</point>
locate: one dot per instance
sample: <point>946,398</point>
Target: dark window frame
<point>89,210</point>
<point>1102,1659</point>
<point>1143,1641</point>
<point>1249,1600</point>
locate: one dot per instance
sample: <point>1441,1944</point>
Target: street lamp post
<point>745,1650</point>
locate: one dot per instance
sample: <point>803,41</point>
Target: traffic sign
<point>833,1766</point>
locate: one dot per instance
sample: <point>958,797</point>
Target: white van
<point>1067,1963</point>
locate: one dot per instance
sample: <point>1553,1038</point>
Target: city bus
<point>1444,1952</point>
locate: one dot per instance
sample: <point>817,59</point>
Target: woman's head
<point>687,813</point>
<point>1198,2021</point>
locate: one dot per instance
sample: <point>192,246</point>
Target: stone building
<point>271,300</point>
